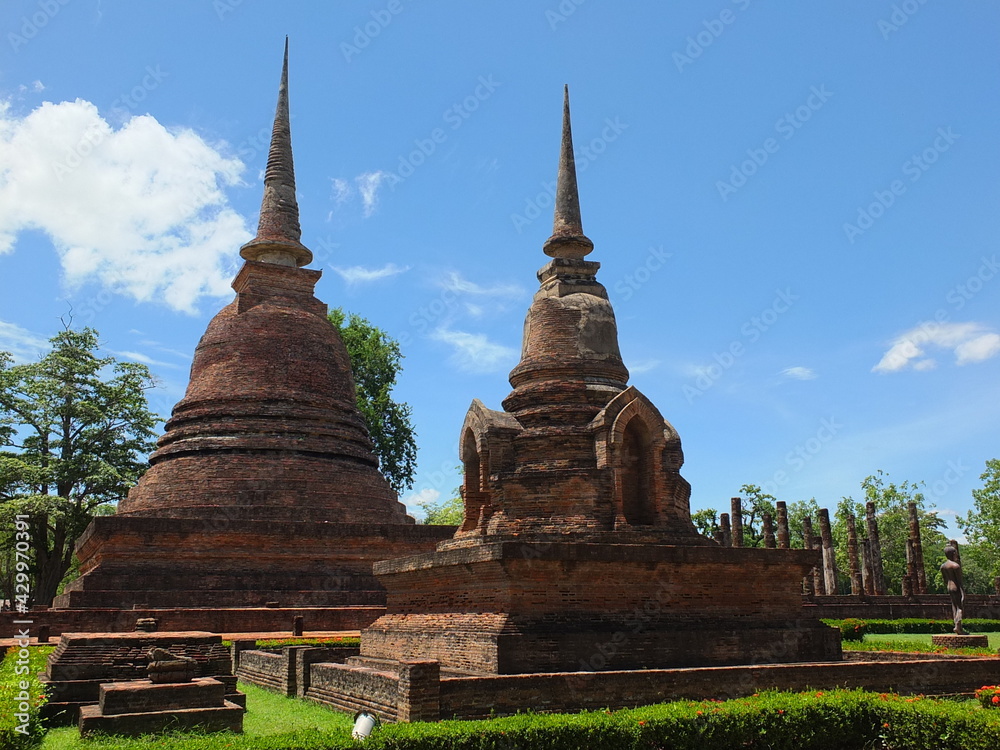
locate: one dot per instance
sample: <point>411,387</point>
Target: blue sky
<point>795,206</point>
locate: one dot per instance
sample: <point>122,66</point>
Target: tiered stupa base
<point>136,562</point>
<point>515,607</point>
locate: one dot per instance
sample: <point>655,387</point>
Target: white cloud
<point>978,349</point>
<point>360,274</point>
<point>971,342</point>
<point>138,209</point>
<point>140,357</point>
<point>798,373</point>
<point>368,185</point>
<point>641,366</point>
<point>473,352</point>
<point>455,282</point>
<point>416,499</point>
<point>340,190</point>
<point>38,86</point>
<point>23,345</point>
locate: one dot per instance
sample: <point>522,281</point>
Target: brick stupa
<point>577,552</point>
<point>264,489</point>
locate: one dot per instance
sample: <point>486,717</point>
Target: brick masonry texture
<point>211,619</point>
<point>264,488</point>
<point>82,662</point>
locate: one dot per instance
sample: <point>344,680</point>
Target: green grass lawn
<point>895,641</point>
<point>284,722</point>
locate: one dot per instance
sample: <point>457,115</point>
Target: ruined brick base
<point>210,619</point>
<point>140,707</point>
<point>83,662</point>
<point>131,562</point>
<point>417,691</point>
<point>512,607</point>
<point>953,640</point>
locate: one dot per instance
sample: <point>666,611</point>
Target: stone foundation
<point>420,691</point>
<point>82,663</point>
<point>140,562</point>
<point>141,707</point>
<point>546,606</point>
<point>953,640</point>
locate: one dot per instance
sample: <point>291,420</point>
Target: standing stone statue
<point>951,572</point>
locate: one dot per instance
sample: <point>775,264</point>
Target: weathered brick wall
<point>287,670</point>
<point>265,670</point>
<point>130,561</point>
<point>512,607</point>
<point>354,689</point>
<point>479,697</point>
<point>245,620</point>
<point>926,606</point>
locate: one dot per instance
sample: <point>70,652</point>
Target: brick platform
<point>953,640</point>
<point>141,707</point>
<point>82,662</point>
<point>539,606</point>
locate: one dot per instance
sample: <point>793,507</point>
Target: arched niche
<point>474,495</point>
<point>637,474</point>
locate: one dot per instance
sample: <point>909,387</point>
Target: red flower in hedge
<point>996,698</point>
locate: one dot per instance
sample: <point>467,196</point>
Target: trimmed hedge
<point>21,696</point>
<point>914,625</point>
<point>832,720</point>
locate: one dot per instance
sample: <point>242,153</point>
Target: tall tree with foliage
<point>375,361</point>
<point>982,524</point>
<point>75,430</point>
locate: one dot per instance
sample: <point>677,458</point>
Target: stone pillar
<point>784,540</point>
<point>768,531</point>
<point>857,585</point>
<point>867,577</point>
<point>918,550</point>
<point>907,586</point>
<point>876,549</point>
<point>419,691</point>
<point>807,543</point>
<point>817,572</point>
<point>727,532</point>
<point>44,632</point>
<point>829,554</point>
<point>736,505</point>
<point>298,626</point>
<point>718,536</point>
<point>911,568</point>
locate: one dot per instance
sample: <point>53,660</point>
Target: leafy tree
<point>375,360</point>
<point>448,512</point>
<point>706,521</point>
<point>797,512</point>
<point>892,511</point>
<point>982,524</point>
<point>75,430</point>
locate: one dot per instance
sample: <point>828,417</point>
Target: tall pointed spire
<point>278,230</point>
<point>568,239</point>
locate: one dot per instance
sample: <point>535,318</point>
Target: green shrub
<point>21,696</point>
<point>916,625</point>
<point>853,629</point>
<point>989,696</point>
